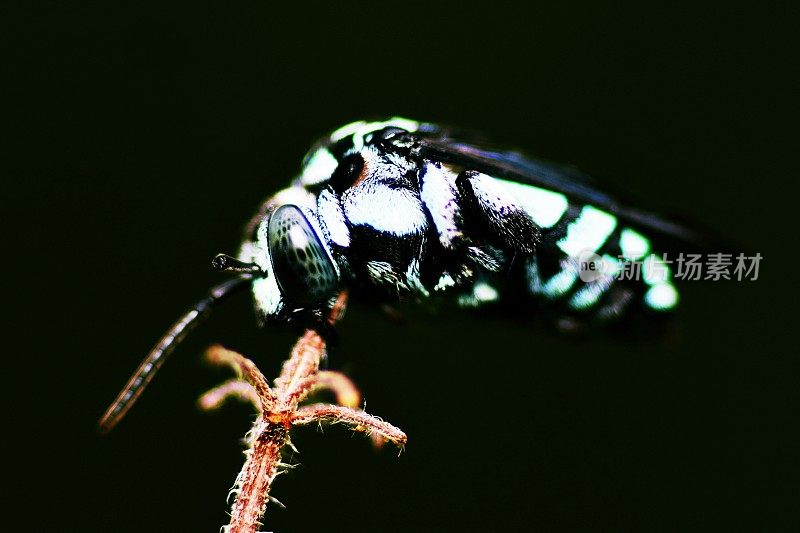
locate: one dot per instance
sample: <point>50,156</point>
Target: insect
<point>399,209</point>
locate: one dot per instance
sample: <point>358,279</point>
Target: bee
<point>405,210</point>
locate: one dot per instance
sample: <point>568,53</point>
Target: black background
<point>141,138</point>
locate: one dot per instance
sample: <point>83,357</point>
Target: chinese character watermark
<point>687,267</point>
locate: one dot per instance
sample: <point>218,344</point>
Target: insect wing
<point>577,186</point>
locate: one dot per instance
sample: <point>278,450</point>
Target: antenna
<point>227,263</point>
<point>163,348</point>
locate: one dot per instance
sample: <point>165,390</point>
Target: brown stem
<point>340,385</point>
<point>307,354</point>
<point>233,388</point>
<point>220,355</point>
<point>357,420</point>
<point>304,361</point>
<point>256,477</point>
<point>279,411</point>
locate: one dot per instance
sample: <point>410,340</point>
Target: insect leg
<point>162,349</point>
<point>440,196</point>
<point>498,211</point>
<point>442,200</point>
<point>332,220</point>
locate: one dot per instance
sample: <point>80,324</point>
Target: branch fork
<point>279,411</point>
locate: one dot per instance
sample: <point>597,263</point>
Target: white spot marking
<point>633,244</point>
<point>395,211</point>
<point>490,191</point>
<point>319,168</point>
<point>439,195</point>
<point>296,195</point>
<point>483,292</point>
<point>588,232</point>
<point>267,295</point>
<point>589,294</point>
<point>445,281</point>
<point>655,271</point>
<point>545,207</point>
<point>560,283</point>
<point>331,216</point>
<point>661,296</point>
<point>347,129</point>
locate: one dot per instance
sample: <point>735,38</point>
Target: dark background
<point>140,139</point>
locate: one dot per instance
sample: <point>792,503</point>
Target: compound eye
<point>303,270</point>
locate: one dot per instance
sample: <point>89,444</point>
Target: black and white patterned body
<point>403,210</point>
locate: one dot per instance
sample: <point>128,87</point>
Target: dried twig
<point>233,388</point>
<point>279,411</point>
